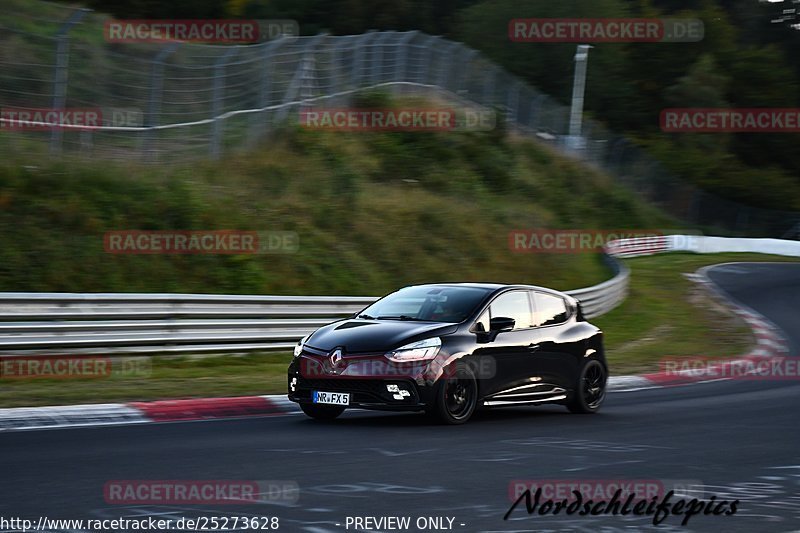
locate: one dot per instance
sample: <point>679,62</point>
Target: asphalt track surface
<point>739,438</point>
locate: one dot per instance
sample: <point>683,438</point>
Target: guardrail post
<point>61,74</point>
<point>154,99</point>
<point>216,100</point>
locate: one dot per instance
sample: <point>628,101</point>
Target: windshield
<point>427,303</point>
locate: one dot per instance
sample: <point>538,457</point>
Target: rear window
<point>549,309</point>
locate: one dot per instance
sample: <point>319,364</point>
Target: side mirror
<point>501,323</point>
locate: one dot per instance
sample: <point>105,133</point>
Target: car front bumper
<point>385,392</point>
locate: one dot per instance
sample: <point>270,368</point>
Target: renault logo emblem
<point>336,357</point>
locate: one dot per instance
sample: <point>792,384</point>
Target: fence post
<point>154,99</point>
<point>561,123</point>
<point>307,82</point>
<point>216,100</point>
<point>536,112</point>
<point>378,59</point>
<point>61,74</point>
<point>512,102</point>
<point>444,69</point>
<point>301,75</point>
<point>488,85</point>
<point>575,141</point>
<point>334,66</point>
<point>258,120</point>
<point>615,155</point>
<point>469,55</point>
<point>426,65</point>
<point>360,61</point>
<point>308,75</point>
<point>402,73</point>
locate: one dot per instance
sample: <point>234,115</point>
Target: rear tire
<point>321,412</point>
<point>455,398</point>
<point>590,391</point>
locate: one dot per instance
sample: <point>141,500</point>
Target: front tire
<point>455,398</point>
<point>590,391</point>
<point>321,412</point>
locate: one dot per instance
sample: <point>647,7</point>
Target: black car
<point>448,349</point>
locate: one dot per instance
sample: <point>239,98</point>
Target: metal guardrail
<point>602,298</point>
<point>48,323</point>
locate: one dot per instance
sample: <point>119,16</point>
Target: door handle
<point>533,347</point>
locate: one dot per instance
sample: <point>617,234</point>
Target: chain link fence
<point>167,102</point>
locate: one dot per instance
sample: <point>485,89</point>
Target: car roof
<point>494,287</point>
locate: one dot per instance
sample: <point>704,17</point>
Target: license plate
<point>334,398</point>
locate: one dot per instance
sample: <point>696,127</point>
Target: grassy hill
<point>371,212</point>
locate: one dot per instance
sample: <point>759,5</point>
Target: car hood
<point>375,336</point>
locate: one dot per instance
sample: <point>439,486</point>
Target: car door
<point>555,356</point>
<point>507,355</point>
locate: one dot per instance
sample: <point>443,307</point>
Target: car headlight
<point>416,351</point>
<point>299,347</point>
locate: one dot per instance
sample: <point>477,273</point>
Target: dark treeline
<point>747,59</point>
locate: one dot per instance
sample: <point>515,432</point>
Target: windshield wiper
<point>397,317</point>
<point>366,316</point>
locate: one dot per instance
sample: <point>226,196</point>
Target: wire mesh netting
<point>173,101</point>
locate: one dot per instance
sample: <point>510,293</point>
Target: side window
<point>549,309</point>
<point>516,305</point>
